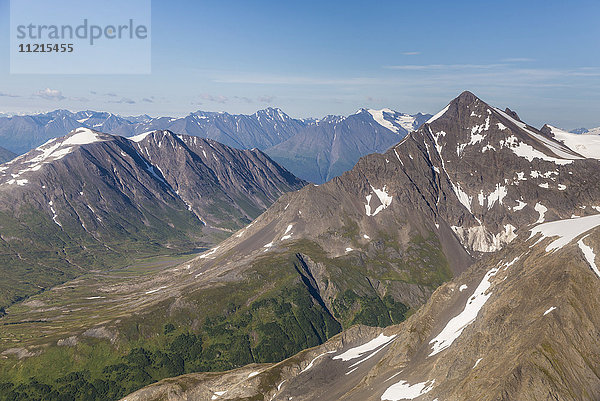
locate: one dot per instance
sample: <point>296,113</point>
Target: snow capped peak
<point>394,121</point>
<point>273,112</point>
<point>53,149</point>
<point>140,137</point>
<point>378,116</point>
<point>82,136</point>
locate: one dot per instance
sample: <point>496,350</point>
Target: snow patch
<point>497,196</point>
<point>384,198</point>
<point>359,351</point>
<point>541,209</point>
<point>549,310</point>
<point>404,391</point>
<point>520,206</point>
<point>590,256</point>
<point>567,230</point>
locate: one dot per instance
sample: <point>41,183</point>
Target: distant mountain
<point>91,201</point>
<point>6,155</point>
<point>329,146</point>
<point>586,144</point>
<point>593,131</point>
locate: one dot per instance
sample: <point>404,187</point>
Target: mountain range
<point>329,146</point>
<point>592,131</point>
<point>447,239</point>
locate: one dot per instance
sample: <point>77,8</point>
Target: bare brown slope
<point>536,338</point>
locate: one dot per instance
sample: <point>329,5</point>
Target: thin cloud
<point>266,99</point>
<point>290,80</point>
<point>214,98</point>
<point>3,94</point>
<point>50,94</point>
<point>147,100</point>
<point>517,60</point>
<point>243,99</point>
<point>410,53</point>
<point>441,67</point>
<point>124,100</point>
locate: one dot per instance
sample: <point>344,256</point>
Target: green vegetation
<point>273,311</point>
<point>36,254</point>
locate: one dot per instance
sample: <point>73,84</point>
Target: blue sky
<point>313,58</point>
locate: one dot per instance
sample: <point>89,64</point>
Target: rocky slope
<point>91,200</point>
<point>521,324</point>
<point>473,176</point>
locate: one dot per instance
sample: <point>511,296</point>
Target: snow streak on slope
<point>567,230</point>
<point>523,150</point>
<point>438,115</point>
<point>590,256</point>
<point>456,325</point>
<point>359,351</point>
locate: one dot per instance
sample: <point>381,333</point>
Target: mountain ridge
<point>89,191</point>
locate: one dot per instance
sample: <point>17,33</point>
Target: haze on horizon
<point>540,58</point>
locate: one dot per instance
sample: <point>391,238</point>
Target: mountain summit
<point>512,212</point>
